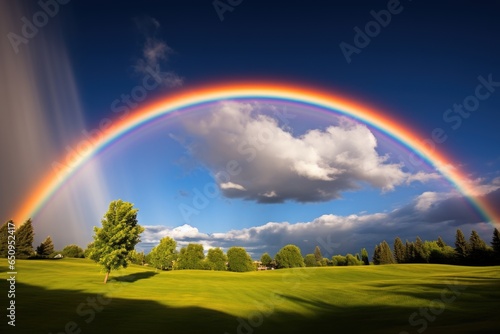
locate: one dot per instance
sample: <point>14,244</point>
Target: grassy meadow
<point>68,296</point>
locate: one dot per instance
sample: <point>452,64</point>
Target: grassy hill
<point>68,295</point>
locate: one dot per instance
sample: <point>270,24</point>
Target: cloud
<point>271,165</point>
<point>155,53</point>
<point>231,185</point>
<point>423,177</point>
<point>480,186</point>
<point>429,215</point>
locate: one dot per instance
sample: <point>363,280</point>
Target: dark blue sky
<point>427,58</point>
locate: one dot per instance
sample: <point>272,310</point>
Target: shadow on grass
<point>56,311</point>
<point>134,277</point>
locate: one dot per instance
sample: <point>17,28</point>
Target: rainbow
<point>53,180</point>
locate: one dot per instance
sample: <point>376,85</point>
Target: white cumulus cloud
<point>273,165</point>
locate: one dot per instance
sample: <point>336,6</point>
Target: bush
<point>310,260</point>
<point>72,251</point>
<point>339,260</point>
<point>353,261</point>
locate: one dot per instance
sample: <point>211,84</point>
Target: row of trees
<point>317,260</point>
<point>24,236</point>
<point>114,247</point>
<point>165,256</point>
<point>466,252</point>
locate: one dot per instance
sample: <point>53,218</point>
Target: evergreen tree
<point>116,238</point>
<point>317,255</point>
<point>420,256</point>
<point>24,240</point>
<point>495,243</point>
<point>46,247</point>
<point>479,252</point>
<point>386,253</point>
<point>4,236</point>
<point>364,256</point>
<point>475,242</point>
<point>461,247</point>
<point>399,251</point>
<point>441,242</point>
<point>377,257</point>
<point>409,252</point>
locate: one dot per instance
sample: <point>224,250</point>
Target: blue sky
<point>73,73</point>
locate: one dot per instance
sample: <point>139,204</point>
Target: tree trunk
<point>106,277</point>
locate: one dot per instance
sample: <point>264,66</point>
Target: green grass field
<point>68,296</point>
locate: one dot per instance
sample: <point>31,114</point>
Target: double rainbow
<point>309,96</point>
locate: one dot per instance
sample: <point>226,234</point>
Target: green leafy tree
<point>216,259</point>
<point>289,257</point>
<point>24,240</point>
<point>239,260</point>
<point>438,254</point>
<point>352,260</point>
<point>4,236</point>
<point>73,251</point>
<point>310,260</point>
<point>339,260</point>
<point>317,255</point>
<point>266,259</point>
<point>191,257</point>
<point>399,251</point>
<point>461,247</point>
<point>88,250</point>
<point>163,254</point>
<point>364,256</point>
<point>420,255</point>
<point>46,247</point>
<point>116,238</point>
<point>136,257</point>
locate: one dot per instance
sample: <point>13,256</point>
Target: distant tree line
<point>164,256</point>
<point>472,252</point>
<point>24,236</point>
